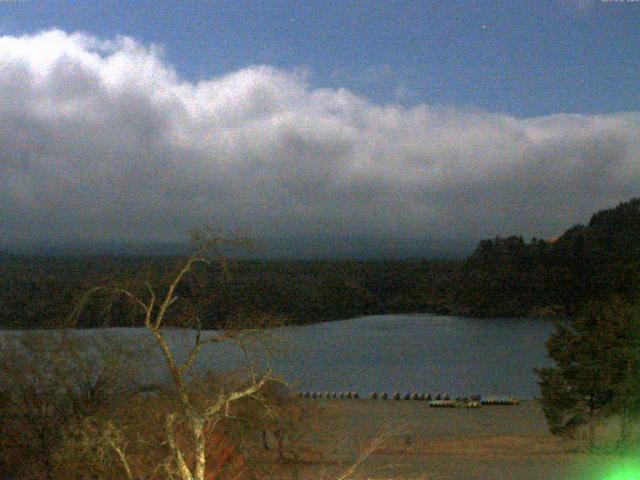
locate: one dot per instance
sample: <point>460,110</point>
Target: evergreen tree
<point>597,370</point>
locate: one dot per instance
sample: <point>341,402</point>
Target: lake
<point>405,353</point>
<point>421,353</point>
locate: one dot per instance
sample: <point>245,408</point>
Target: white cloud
<point>102,139</point>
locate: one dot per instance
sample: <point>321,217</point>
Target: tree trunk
<point>197,425</point>
<point>592,424</point>
<point>182,470</point>
<point>624,428</point>
<point>280,436</point>
<point>625,415</point>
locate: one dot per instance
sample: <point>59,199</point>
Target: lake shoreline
<point>424,353</point>
<point>419,442</point>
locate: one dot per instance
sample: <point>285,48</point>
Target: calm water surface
<point>404,353</point>
<point>423,353</point>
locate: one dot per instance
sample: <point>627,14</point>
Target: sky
<point>327,120</point>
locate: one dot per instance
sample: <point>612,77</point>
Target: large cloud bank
<point>102,139</point>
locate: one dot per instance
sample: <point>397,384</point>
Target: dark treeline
<point>38,292</point>
<point>502,277</point>
<point>555,277</point>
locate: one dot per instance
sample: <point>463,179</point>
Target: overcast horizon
<point>439,123</point>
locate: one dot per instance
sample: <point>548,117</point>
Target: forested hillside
<point>41,291</point>
<point>507,276</point>
<point>503,277</point>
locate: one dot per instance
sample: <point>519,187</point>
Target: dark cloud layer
<point>102,139</point>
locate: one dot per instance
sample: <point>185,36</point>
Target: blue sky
<point>524,58</point>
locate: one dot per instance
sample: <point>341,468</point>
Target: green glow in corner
<point>625,470</point>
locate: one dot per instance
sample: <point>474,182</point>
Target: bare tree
<point>49,381</point>
<point>90,420</point>
<point>193,417</point>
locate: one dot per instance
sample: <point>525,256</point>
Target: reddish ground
<point>489,443</point>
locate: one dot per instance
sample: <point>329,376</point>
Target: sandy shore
<point>492,442</point>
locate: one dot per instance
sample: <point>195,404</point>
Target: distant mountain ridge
<point>345,248</point>
<point>502,277</point>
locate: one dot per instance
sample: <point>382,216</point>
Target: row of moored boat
<point>437,400</point>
